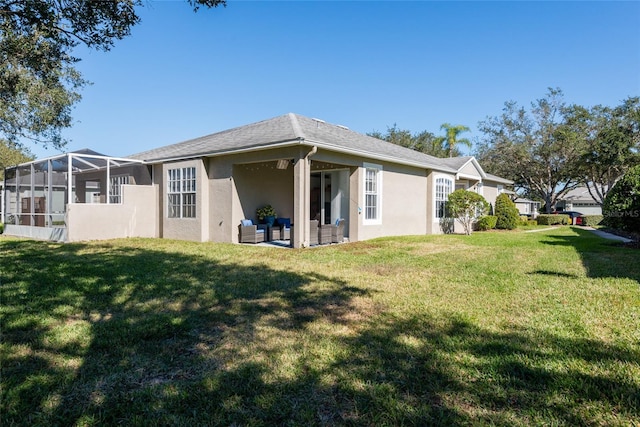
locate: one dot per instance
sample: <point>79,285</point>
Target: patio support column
<point>301,197</point>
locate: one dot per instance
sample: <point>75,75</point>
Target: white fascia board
<point>287,143</point>
<point>379,157</point>
<point>471,177</point>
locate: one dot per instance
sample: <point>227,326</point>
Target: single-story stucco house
<point>579,200</point>
<point>527,207</point>
<point>201,189</point>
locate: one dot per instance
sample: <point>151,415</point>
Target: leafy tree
<point>527,147</point>
<point>451,141</point>
<point>621,208</point>
<point>507,213</point>
<point>612,137</point>
<point>38,83</point>
<point>424,142</point>
<point>11,155</point>
<point>466,206</point>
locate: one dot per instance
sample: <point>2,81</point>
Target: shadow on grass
<point>86,328</point>
<point>148,337</point>
<point>600,257</point>
<point>419,371</point>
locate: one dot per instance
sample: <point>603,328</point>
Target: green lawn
<point>499,328</point>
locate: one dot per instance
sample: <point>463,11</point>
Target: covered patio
<point>321,200</point>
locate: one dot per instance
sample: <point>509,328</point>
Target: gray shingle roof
<point>496,178</point>
<point>293,129</point>
<point>456,162</point>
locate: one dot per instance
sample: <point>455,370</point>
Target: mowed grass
<point>495,328</point>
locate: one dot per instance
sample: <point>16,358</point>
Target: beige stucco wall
<point>470,171</point>
<point>490,192</point>
<point>197,228</point>
<point>404,203</point>
<point>136,216</point>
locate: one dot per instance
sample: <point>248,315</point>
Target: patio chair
<point>324,234</point>
<point>285,228</point>
<point>250,233</point>
<point>337,231</point>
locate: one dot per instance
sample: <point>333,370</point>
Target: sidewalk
<point>609,236</point>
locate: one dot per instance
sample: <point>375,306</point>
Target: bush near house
<point>621,207</point>
<point>506,212</point>
<point>553,219</point>
<point>486,222</point>
<point>1,228</point>
<point>591,220</point>
<point>466,206</point>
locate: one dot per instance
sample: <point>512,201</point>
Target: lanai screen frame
<point>71,164</point>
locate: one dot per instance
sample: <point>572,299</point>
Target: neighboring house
<point>527,207</point>
<point>579,200</point>
<point>305,168</point>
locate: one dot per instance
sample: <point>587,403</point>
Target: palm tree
<point>451,138</point>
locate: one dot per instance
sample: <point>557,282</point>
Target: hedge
<point>1,228</point>
<point>591,220</point>
<point>507,212</point>
<point>553,219</point>
<point>486,222</point>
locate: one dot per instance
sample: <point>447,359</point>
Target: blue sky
<point>365,65</point>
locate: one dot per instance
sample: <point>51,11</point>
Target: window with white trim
<point>181,193</point>
<point>443,189</point>
<point>372,194</point>
<point>115,195</point>
<point>500,188</point>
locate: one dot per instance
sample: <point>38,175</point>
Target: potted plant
<point>266,214</point>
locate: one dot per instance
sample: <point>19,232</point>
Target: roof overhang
<point>307,143</point>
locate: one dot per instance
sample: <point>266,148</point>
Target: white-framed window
<point>443,189</point>
<point>479,188</point>
<point>500,188</point>
<point>115,195</point>
<point>372,194</point>
<point>181,193</point>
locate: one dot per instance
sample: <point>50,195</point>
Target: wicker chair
<point>337,231</point>
<point>250,233</point>
<point>324,234</point>
<point>285,228</point>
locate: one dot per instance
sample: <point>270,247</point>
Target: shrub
<point>591,220</point>
<point>621,207</point>
<point>486,222</point>
<point>264,212</point>
<point>532,222</point>
<point>465,206</point>
<point>507,213</point>
<point>553,219</point>
<point>524,220</point>
<point>1,228</point>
